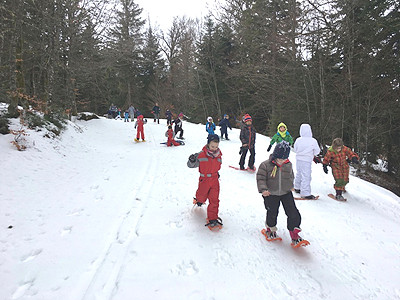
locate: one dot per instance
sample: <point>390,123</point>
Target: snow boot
<point>297,191</point>
<point>297,241</point>
<point>270,234</point>
<point>241,167</point>
<point>214,224</point>
<point>195,202</point>
<point>339,196</point>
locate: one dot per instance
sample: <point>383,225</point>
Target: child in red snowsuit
<point>338,157</point>
<point>140,130</point>
<point>170,135</point>
<point>209,162</point>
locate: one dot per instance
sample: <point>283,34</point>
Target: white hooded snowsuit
<point>306,147</point>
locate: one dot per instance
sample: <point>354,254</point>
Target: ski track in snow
<point>151,242</point>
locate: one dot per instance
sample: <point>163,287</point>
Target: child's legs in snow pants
<point>272,204</point>
<point>209,188</point>
<point>302,180</point>
<point>140,132</point>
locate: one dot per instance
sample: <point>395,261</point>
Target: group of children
<point>275,177</point>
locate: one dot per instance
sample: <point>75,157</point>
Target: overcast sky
<point>162,12</point>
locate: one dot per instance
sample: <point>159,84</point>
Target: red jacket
<point>170,133</point>
<point>209,165</point>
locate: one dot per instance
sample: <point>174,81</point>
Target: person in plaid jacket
<point>338,157</point>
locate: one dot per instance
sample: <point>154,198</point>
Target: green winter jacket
<point>282,136</point>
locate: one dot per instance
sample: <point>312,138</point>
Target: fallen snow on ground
<point>94,215</point>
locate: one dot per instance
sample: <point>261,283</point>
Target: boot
<point>339,196</point>
<point>297,241</point>
<point>195,202</point>
<point>270,234</point>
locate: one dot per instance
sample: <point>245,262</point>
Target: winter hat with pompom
<point>282,150</point>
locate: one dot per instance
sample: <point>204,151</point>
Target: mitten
<point>317,160</point>
<point>269,147</point>
<point>192,157</point>
<point>354,160</point>
<point>325,167</point>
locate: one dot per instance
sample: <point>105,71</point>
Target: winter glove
<point>240,151</point>
<point>269,147</point>
<point>317,160</point>
<point>192,158</point>
<point>354,160</point>
<point>325,167</point>
<point>135,126</point>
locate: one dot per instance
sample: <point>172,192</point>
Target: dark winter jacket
<point>248,135</point>
<point>156,109</point>
<point>224,123</point>
<point>168,114</point>
<point>178,124</point>
<point>278,180</point>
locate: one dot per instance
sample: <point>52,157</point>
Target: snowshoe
<point>214,225</point>
<point>270,235</point>
<point>136,140</point>
<point>297,241</point>
<point>311,197</point>
<point>337,197</point>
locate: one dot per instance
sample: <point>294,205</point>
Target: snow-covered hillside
<point>93,215</point>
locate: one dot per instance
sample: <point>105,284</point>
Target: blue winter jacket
<point>210,127</point>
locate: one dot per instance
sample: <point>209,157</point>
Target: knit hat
<point>247,118</point>
<point>212,138</point>
<point>282,150</point>
<point>209,119</point>
<point>180,115</point>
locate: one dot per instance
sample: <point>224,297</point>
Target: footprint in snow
<point>30,256</point>
<point>186,268</point>
<point>66,230</point>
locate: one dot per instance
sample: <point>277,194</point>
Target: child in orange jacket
<point>209,163</point>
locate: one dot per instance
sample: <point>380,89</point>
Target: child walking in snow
<point>306,148</point>
<point>178,125</point>
<point>168,115</point>
<point>210,125</point>
<point>139,124</point>
<point>209,162</point>
<point>281,135</point>
<point>170,135</point>
<point>224,123</point>
<point>126,115</point>
<point>338,157</point>
<point>248,139</point>
<point>275,183</point>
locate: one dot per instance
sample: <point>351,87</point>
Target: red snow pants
<point>172,142</point>
<point>140,132</point>
<point>209,189</point>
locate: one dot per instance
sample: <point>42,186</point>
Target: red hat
<point>247,118</point>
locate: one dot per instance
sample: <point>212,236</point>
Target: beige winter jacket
<point>279,185</point>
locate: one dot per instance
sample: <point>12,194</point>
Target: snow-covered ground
<point>93,215</point>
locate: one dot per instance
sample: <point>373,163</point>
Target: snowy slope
<point>96,216</point>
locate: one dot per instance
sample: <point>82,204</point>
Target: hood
<point>282,124</point>
<point>305,130</point>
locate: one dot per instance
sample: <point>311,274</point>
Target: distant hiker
<point>224,124</point>
<point>306,148</point>
<point>170,135</point>
<point>248,139</point>
<point>338,157</point>
<point>168,115</point>
<point>210,125</point>
<point>209,163</point>
<point>275,183</point>
<point>178,126</point>
<point>281,135</point>
<point>156,112</point>
<point>139,124</point>
<point>131,110</point>
<point>126,115</point>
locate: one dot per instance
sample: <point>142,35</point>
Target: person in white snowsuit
<point>306,148</point>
